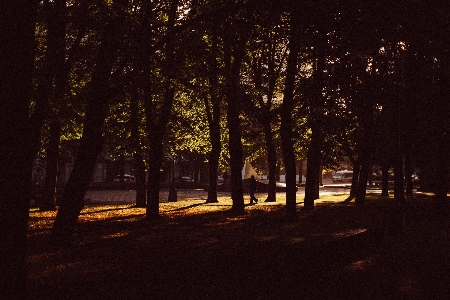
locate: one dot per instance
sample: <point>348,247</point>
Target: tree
<point>91,142</point>
<point>16,132</point>
<point>52,91</point>
<point>286,116</point>
<point>157,123</point>
<point>234,42</point>
<point>266,62</point>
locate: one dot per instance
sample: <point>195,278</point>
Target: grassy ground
<point>200,251</point>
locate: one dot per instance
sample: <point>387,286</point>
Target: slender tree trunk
<point>157,124</point>
<point>16,155</point>
<point>300,171</point>
<point>272,161</point>
<point>234,51</point>
<point>60,73</point>
<point>385,180</point>
<point>139,165</point>
<point>399,193</point>
<point>156,136</point>
<point>408,174</point>
<point>314,152</point>
<point>313,160</point>
<point>286,119</point>
<point>141,191</point>
<point>442,173</point>
<point>91,141</point>
<point>48,196</point>
<point>213,121</point>
<point>355,181</point>
<point>363,177</point>
<point>214,157</point>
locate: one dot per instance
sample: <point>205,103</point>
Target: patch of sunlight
<point>295,240</point>
<point>115,235</point>
<point>360,264</point>
<point>347,233</point>
<point>267,238</point>
<point>208,242</point>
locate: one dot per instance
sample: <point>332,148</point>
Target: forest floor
<point>203,251</point>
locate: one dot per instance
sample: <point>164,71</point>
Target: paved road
<point>129,196</point>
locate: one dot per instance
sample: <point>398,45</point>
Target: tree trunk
<point>156,133</point>
<point>300,171</point>
<point>234,51</point>
<point>442,173</point>
<point>157,124</point>
<point>313,160</point>
<point>287,143</point>
<point>363,177</point>
<point>139,165</point>
<point>355,180</point>
<point>399,194</point>
<point>408,174</point>
<point>272,161</point>
<point>213,121</point>
<point>47,201</point>
<point>140,174</point>
<point>385,180</point>
<point>16,155</point>
<point>154,178</point>
<point>91,141</point>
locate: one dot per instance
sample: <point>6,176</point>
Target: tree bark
<point>286,118</point>
<point>364,162</point>
<point>156,133</point>
<point>399,193</point>
<point>139,165</point>
<point>355,180</point>
<point>157,124</point>
<point>408,174</point>
<point>313,160</point>
<point>16,155</point>
<point>272,161</point>
<point>91,141</point>
<point>48,196</point>
<point>234,50</point>
<point>442,173</point>
<point>213,115</point>
<point>385,180</point>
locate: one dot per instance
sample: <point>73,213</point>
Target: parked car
<point>343,176</point>
<point>126,178</point>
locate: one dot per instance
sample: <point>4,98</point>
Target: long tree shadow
<point>106,210</point>
<point>187,207</point>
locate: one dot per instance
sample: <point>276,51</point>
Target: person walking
<point>252,186</point>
